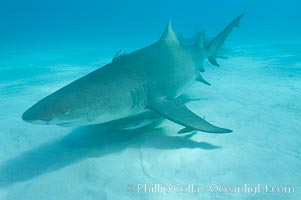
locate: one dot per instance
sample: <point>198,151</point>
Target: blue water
<point>45,45</point>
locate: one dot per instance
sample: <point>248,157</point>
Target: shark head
<point>53,111</point>
<point>68,108</point>
<point>34,116</point>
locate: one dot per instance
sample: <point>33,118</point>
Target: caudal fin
<point>219,40</point>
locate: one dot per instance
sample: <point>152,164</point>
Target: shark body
<point>151,78</point>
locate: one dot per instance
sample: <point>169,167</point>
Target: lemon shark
<point>149,79</point>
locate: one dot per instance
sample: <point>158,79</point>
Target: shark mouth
<point>41,122</point>
<point>72,123</point>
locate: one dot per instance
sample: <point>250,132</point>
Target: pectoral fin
<point>177,112</point>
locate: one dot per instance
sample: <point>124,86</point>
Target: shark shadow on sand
<point>88,142</point>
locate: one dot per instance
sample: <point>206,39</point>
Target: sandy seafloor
<point>256,93</point>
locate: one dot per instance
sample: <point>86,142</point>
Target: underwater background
<point>256,92</point>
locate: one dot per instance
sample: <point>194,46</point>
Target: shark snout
<point>33,117</point>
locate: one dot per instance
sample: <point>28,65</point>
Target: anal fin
<point>201,79</point>
<point>176,111</point>
<point>213,61</point>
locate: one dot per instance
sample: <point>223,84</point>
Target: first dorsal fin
<point>169,36</point>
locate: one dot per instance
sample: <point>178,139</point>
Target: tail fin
<point>219,40</point>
